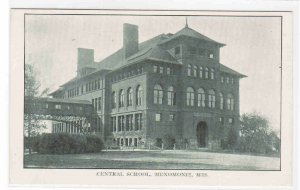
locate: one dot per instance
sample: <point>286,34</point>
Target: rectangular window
<point>161,70</point>
<point>155,68</point>
<point>158,117</point>
<point>58,106</point>
<point>221,120</point>
<point>172,117</point>
<point>168,71</point>
<point>222,79</point>
<point>230,120</point>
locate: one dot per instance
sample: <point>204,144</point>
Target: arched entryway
<point>202,134</point>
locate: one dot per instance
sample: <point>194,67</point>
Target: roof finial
<point>186,22</point>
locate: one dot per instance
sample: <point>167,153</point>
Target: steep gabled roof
<point>117,60</point>
<point>186,31</point>
<point>225,69</point>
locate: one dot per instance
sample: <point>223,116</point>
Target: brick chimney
<point>130,39</point>
<point>84,57</point>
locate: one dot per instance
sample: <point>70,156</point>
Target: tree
<point>32,123</point>
<point>256,135</point>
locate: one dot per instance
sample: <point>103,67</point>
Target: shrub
<point>169,142</point>
<point>63,143</point>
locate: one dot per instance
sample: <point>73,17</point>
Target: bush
<point>63,143</point>
<point>169,142</point>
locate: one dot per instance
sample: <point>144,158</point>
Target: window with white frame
<point>158,117</point>
<point>171,96</point>
<point>195,71</point>
<point>221,101</point>
<point>206,72</point>
<point>129,96</point>
<point>121,98</point>
<point>189,70</point>
<point>139,92</point>
<point>58,106</point>
<point>201,97</point>
<point>230,102</point>
<point>190,96</point>
<point>158,94</point>
<point>201,72</point>
<point>212,73</point>
<point>211,99</point>
<point>172,117</point>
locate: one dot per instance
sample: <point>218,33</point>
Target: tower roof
<point>187,31</point>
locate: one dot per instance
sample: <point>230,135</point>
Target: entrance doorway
<point>202,134</point>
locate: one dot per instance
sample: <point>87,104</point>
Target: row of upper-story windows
<point>82,89</point>
<point>159,93</point>
<point>201,72</point>
<point>129,97</point>
<point>195,51</point>
<point>126,74</point>
<point>228,80</point>
<point>202,101</point>
<point>201,51</point>
<point>162,70</point>
<point>208,99</point>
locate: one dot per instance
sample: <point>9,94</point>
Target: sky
<point>253,48</point>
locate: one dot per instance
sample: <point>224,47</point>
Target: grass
<point>152,160</point>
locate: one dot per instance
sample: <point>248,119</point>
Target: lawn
<point>173,159</point>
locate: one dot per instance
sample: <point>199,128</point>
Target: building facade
<point>170,86</point>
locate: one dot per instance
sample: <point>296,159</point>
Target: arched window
<point>139,92</point>
<point>189,70</point>
<point>129,97</point>
<point>206,72</point>
<point>221,101</point>
<point>201,98</point>
<point>114,99</point>
<point>190,96</point>
<point>211,99</point>
<point>171,96</point>
<point>121,98</point>
<point>201,72</point>
<point>212,73</point>
<point>230,102</point>
<point>195,71</point>
<point>158,94</point>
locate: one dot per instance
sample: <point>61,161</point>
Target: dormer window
<point>177,50</point>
